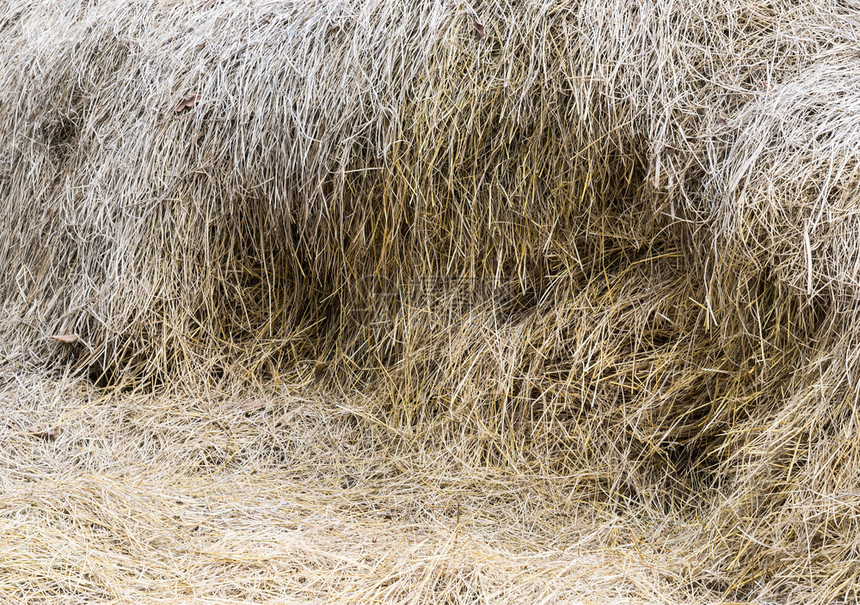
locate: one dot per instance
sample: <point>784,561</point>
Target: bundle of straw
<point>607,241</point>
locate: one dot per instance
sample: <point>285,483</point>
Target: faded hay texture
<point>430,302</point>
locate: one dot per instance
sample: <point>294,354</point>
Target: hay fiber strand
<point>430,301</point>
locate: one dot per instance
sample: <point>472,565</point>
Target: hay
<point>598,255</point>
<point>174,498</point>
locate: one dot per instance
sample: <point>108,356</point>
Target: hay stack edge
<point>574,286</point>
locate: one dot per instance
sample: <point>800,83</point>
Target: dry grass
<point>586,272</point>
<point>168,499</point>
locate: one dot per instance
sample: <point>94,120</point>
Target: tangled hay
<point>176,499</point>
<point>610,246</point>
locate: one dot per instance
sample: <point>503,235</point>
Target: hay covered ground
<point>430,302</point>
<point>176,499</point>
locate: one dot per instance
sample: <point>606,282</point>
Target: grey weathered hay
<point>607,242</point>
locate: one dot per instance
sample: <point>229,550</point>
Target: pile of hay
<point>610,245</point>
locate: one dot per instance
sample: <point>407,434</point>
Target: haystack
<point>610,245</point>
